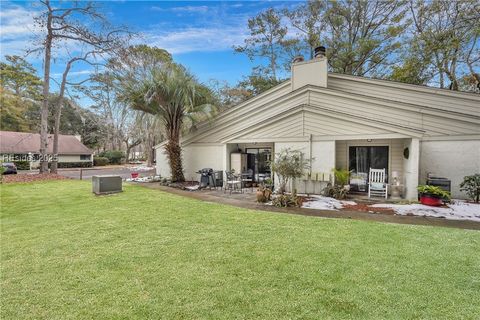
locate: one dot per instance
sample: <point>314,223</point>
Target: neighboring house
<point>24,146</point>
<point>345,122</point>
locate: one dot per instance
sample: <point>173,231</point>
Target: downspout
<point>310,153</point>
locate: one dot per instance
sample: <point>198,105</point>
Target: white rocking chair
<point>377,185</point>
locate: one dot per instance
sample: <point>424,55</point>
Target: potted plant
<point>268,183</point>
<point>432,195</point>
<point>263,194</point>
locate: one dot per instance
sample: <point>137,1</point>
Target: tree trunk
<point>174,152</point>
<point>150,151</point>
<point>127,153</point>
<point>58,115</point>
<point>46,91</point>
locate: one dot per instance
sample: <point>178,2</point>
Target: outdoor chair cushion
<point>377,185</point>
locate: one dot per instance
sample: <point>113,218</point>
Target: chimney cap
<point>298,59</point>
<point>320,52</point>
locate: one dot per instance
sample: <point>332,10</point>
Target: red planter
<point>134,175</point>
<point>430,201</point>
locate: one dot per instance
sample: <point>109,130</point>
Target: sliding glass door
<point>260,163</point>
<point>361,159</point>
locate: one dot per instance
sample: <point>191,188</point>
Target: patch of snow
<point>144,179</point>
<point>325,203</point>
<point>457,210</point>
<point>192,188</point>
<point>141,168</point>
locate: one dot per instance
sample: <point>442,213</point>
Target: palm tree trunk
<point>174,153</point>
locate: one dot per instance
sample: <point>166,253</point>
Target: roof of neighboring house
<point>24,142</point>
<point>347,106</point>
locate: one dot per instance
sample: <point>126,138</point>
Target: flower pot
<point>261,196</point>
<point>134,175</point>
<point>430,200</point>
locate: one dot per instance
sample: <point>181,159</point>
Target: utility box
<point>106,184</point>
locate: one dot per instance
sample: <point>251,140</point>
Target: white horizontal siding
<point>432,125</point>
<point>435,98</point>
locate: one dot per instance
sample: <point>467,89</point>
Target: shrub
<point>289,164</point>
<point>113,156</point>
<point>22,165</point>
<point>341,176</point>
<point>471,186</point>
<point>338,192</point>
<point>285,200</point>
<point>83,164</point>
<point>433,191</point>
<point>341,188</point>
<point>2,170</point>
<point>100,161</point>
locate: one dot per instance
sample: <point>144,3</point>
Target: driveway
<point>122,171</point>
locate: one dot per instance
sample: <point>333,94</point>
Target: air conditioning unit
<point>106,184</point>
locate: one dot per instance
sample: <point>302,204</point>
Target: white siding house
<point>342,121</point>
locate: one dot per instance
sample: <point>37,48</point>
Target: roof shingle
<point>24,142</point>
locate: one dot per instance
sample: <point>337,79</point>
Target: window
<point>85,157</point>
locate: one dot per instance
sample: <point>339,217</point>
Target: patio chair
<point>233,182</point>
<point>247,178</point>
<point>377,185</point>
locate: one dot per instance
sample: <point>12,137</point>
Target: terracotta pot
<point>261,196</point>
<point>430,200</point>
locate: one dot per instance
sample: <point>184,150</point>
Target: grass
<point>68,254</point>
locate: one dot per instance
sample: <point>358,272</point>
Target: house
<point>24,146</point>
<point>343,121</point>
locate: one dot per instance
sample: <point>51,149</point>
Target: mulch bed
<point>365,207</point>
<point>17,178</point>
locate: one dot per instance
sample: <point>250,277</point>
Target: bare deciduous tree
<point>78,24</point>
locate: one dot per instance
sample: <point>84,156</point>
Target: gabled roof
<point>349,105</point>
<point>24,142</point>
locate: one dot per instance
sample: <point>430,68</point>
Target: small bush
<point>433,191</point>
<point>86,164</point>
<point>22,165</point>
<point>341,176</point>
<point>285,200</point>
<point>471,186</point>
<point>341,187</point>
<point>100,161</point>
<point>337,191</point>
<point>113,156</point>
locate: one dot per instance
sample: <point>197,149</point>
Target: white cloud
<point>74,73</point>
<point>201,39</point>
<point>17,29</point>
<point>16,21</point>
<point>183,9</point>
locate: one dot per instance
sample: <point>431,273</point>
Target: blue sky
<point>199,34</point>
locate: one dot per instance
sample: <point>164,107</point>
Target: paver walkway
<point>247,200</point>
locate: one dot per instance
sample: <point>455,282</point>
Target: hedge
<point>100,161</point>
<point>114,156</point>
<point>85,164</point>
<point>22,165</point>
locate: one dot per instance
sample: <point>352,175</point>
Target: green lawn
<point>68,254</point>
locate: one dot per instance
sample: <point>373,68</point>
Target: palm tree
<point>177,98</point>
